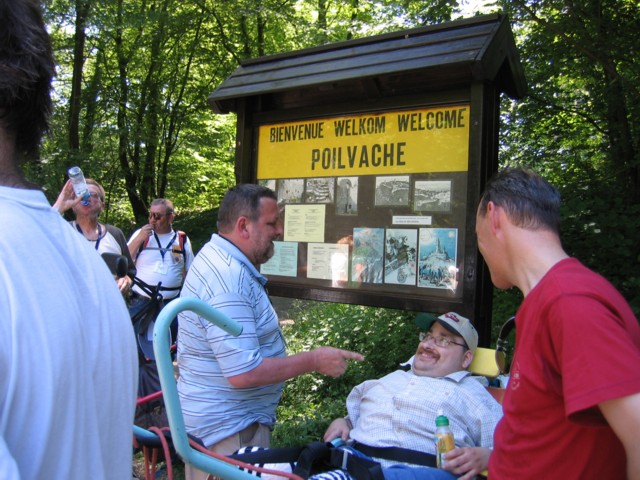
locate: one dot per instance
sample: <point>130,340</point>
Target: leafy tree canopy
<point>134,76</point>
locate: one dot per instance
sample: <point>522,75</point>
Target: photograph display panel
<point>372,202</point>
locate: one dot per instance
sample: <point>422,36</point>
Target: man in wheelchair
<point>400,410</point>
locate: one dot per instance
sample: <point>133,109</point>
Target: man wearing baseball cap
<point>456,324</point>
<point>400,409</point>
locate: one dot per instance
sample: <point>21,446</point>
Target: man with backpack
<point>162,255</point>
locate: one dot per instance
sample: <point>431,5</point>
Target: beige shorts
<point>256,435</point>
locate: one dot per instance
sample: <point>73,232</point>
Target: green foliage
<point>199,226</point>
<point>599,229</point>
<point>203,168</point>
<point>144,125</point>
<point>309,403</point>
<point>143,128</point>
<point>580,125</point>
<point>505,306</point>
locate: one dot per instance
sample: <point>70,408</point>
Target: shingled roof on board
<point>405,62</point>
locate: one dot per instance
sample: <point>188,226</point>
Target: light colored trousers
<point>256,435</point>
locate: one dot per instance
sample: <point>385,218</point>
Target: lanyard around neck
<point>99,234</point>
<point>168,247</point>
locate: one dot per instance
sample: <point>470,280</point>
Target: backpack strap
<point>142,246</point>
<point>182,238</point>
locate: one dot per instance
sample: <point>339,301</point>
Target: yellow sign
<point>407,141</point>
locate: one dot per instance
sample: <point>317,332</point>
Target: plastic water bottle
<point>79,185</point>
<point>443,439</point>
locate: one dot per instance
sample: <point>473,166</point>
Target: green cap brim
<point>424,320</point>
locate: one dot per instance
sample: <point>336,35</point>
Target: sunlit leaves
<point>580,124</point>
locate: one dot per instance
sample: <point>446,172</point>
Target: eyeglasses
<point>156,216</point>
<point>443,342</point>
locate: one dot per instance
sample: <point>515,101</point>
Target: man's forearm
<point>275,370</point>
<point>325,360</point>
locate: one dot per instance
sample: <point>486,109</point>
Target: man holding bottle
<point>103,237</point>
<point>402,409</point>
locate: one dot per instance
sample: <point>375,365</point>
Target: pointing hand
<point>333,361</point>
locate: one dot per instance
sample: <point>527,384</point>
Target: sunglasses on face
<point>156,216</point>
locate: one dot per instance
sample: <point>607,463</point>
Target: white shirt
<point>400,410</point>
<point>68,358</point>
<point>162,262</point>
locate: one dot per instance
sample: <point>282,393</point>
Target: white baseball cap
<point>453,322</point>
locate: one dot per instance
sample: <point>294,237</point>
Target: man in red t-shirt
<point>572,406</point>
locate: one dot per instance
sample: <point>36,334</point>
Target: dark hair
<point>242,200</point>
<point>26,70</point>
<point>528,199</point>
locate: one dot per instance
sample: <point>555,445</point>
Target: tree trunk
<point>82,13</point>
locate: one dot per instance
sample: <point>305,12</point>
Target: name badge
<point>161,268</point>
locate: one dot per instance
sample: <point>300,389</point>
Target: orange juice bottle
<point>443,439</point>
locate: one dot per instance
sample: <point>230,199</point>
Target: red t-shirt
<point>577,345</point>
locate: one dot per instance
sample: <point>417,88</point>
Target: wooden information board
<point>373,202</point>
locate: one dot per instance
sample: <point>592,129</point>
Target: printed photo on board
<point>319,190</point>
<point>400,256</point>
<point>392,190</point>
<point>290,191</point>
<point>347,196</point>
<point>437,258</point>
<point>432,196</point>
<point>367,255</point>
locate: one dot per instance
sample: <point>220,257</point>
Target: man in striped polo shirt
<point>230,386</point>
